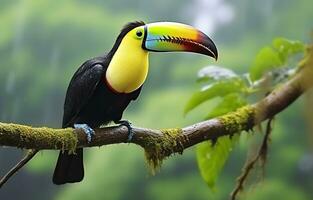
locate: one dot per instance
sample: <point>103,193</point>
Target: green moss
<point>29,137</point>
<point>241,119</point>
<point>157,148</point>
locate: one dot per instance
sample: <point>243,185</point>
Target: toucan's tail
<point>69,168</point>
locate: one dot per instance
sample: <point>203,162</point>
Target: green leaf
<point>287,48</point>
<point>269,58</point>
<point>211,159</point>
<point>216,73</point>
<point>266,60</point>
<point>220,88</point>
<point>229,103</point>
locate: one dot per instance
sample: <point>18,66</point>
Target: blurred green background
<point>42,43</point>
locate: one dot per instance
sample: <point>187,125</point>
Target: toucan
<point>102,87</point>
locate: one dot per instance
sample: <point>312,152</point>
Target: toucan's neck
<point>128,67</point>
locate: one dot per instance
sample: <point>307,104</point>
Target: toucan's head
<point>128,67</point>
<point>168,37</point>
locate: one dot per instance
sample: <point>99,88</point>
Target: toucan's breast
<point>128,68</point>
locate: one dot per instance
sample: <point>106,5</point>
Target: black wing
<point>80,89</point>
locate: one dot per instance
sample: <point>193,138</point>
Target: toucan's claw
<point>88,131</point>
<point>128,125</point>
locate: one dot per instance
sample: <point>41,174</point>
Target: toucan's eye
<point>139,33</point>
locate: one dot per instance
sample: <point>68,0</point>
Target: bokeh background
<point>42,43</point>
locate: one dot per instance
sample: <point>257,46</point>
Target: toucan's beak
<point>170,36</point>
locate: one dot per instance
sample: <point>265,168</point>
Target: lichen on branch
<point>240,120</point>
<point>34,138</point>
<point>157,148</point>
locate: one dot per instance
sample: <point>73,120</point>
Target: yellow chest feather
<point>128,68</point>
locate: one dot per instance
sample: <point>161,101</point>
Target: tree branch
<point>159,144</point>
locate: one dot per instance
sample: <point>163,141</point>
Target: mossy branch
<point>159,144</point>
<point>162,143</point>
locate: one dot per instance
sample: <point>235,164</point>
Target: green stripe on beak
<point>170,36</point>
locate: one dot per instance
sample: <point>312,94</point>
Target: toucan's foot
<point>88,131</point>
<point>128,125</point>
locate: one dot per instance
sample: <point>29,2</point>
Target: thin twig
<point>264,146</point>
<point>261,155</point>
<point>30,154</point>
